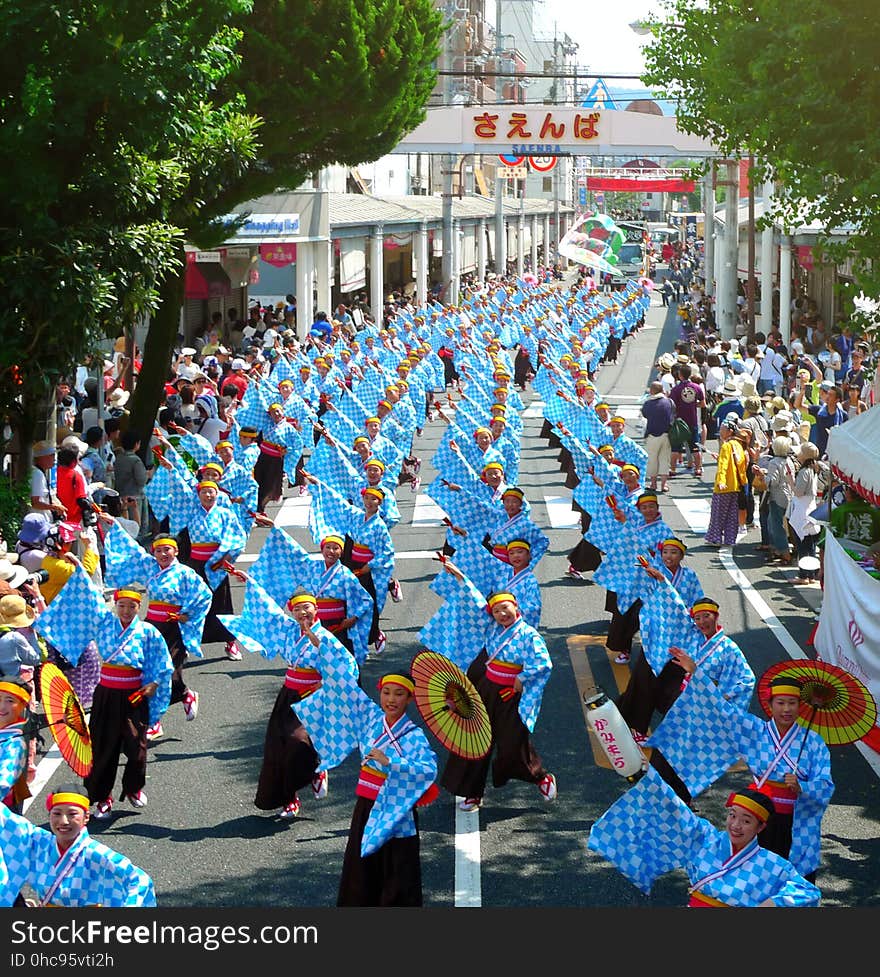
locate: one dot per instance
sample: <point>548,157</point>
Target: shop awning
<point>206,280</point>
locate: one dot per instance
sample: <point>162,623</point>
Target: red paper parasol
<point>833,703</point>
<point>66,719</point>
<point>451,706</point>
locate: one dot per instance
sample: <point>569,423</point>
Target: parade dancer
<point>64,866</point>
<point>178,603</point>
<point>134,688</point>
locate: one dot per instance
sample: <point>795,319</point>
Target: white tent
<point>854,453</point>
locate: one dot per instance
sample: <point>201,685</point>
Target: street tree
<point>105,105</point>
<point>796,86</point>
<point>332,81</point>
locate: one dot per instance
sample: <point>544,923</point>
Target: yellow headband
<point>498,598</point>
<point>521,544</point>
<point>275,406</point>
<point>124,594</point>
<point>374,461</point>
<point>19,691</point>
<point>333,538</point>
<point>401,680</point>
<point>750,804</point>
<point>493,464</point>
<point>674,542</point>
<point>784,687</point>
<point>67,797</point>
<point>285,383</point>
<point>302,599</point>
<point>165,541</point>
<point>373,420</point>
<point>207,483</point>
<point>705,604</point>
<point>223,444</point>
<point>373,490</point>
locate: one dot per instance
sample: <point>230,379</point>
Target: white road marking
<point>696,512</point>
<point>560,513</point>
<point>535,409</point>
<point>426,512</point>
<point>46,766</point>
<point>294,511</point>
<point>468,882</point>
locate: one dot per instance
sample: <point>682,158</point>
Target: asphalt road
<point>205,845</point>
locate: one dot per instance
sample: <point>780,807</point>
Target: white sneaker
<point>396,591</point>
<point>415,484</point>
<point>381,642</point>
<point>470,804</point>
<point>103,809</point>
<point>291,810</point>
<point>573,574</point>
<point>138,800</point>
<point>547,787</point>
<point>233,653</point>
<point>191,705</point>
<point>320,785</point>
<point>155,732</point>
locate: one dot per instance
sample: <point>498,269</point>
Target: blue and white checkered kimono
<point>340,718</point>
<point>13,757</point>
<point>703,734</point>
<point>128,563</point>
<point>630,453</point>
<point>79,615</point>
<point>462,627</point>
<point>619,570</point>
<point>219,524</point>
<point>331,514</point>
<point>283,566</point>
<point>666,621</point>
<point>650,831</point>
<point>87,874</point>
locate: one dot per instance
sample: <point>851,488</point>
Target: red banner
<point>278,255</point>
<point>635,185</point>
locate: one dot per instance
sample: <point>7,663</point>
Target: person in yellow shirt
<point>60,561</point>
<point>730,477</point>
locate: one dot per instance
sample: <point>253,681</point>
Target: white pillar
<point>520,244</point>
<point>534,243</point>
<point>767,264</point>
<point>322,253</point>
<point>500,228</point>
<point>377,274</point>
<point>304,308</point>
<point>482,249</point>
<point>785,288</point>
<point>709,230</point>
<point>727,318</point>
<point>547,259</point>
<point>455,247</point>
<point>422,265</point>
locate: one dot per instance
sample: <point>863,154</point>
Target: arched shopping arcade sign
<point>549,130</point>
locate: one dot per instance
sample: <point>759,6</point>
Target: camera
<point>38,577</point>
<point>89,516</point>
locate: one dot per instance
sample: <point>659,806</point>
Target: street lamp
<point>640,27</point>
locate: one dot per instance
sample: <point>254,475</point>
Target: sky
<point>606,42</point>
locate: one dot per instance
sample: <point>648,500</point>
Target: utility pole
<point>500,235</point>
<point>750,288</point>
<point>726,301</point>
<point>447,168</point>
<point>709,229</point>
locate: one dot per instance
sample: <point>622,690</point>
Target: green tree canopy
<point>798,86</point>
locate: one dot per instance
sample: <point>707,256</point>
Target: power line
<point>534,74</point>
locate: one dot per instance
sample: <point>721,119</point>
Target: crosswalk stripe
<point>696,513</point>
<point>294,511</point>
<point>560,513</point>
<point>535,409</point>
<point>426,512</point>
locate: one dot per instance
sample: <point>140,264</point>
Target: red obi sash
<point>370,782</point>
<point>274,450</point>
<point>301,679</point>
<point>331,612</point>
<point>120,677</point>
<point>699,900</point>
<point>499,551</point>
<point>160,610</point>
<point>360,555</point>
<point>502,673</point>
<point>783,797</point>
<point>203,551</point>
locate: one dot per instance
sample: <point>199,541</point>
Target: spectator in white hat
<point>185,366</point>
